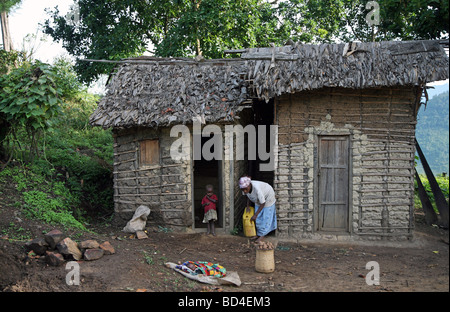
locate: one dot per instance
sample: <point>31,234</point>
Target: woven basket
<point>265,261</point>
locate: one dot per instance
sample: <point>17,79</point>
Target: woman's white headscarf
<point>244,182</point>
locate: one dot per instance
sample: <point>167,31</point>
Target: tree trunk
<point>7,41</point>
<point>196,4</point>
<point>439,198</point>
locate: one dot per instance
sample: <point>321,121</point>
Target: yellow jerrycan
<point>249,226</point>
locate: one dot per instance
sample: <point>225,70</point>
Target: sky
<point>25,20</point>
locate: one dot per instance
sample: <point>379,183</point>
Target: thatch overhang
<point>159,92</point>
<point>301,67</point>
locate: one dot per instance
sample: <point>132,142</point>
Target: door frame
<point>316,184</point>
<point>220,192</point>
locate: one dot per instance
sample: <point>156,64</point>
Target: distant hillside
<point>432,133</point>
<point>437,89</point>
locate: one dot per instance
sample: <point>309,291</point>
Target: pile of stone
<point>56,248</point>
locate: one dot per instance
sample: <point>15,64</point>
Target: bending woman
<point>263,195</point>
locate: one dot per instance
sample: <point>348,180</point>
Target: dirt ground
<point>420,265</point>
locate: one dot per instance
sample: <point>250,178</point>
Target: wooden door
<point>333,183</point>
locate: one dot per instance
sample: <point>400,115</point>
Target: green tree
<point>66,79</point>
<point>112,30</point>
<point>6,5</point>
<point>105,29</point>
<point>311,21</point>
<point>398,20</point>
<point>208,27</point>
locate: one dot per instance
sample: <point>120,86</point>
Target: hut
<point>340,117</point>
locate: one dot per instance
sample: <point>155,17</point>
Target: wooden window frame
<point>148,156</point>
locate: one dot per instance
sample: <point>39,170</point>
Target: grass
<point>43,199</point>
<point>16,232</point>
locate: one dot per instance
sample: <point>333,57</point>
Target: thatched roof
<point>158,92</point>
<point>148,93</point>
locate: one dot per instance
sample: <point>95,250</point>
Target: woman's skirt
<point>266,221</point>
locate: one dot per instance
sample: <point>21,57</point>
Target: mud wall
<point>380,124</point>
<point>164,187</point>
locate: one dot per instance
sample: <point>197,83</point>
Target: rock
<point>53,238</point>
<point>141,235</point>
<point>93,254</point>
<point>38,246</point>
<point>108,249</point>
<point>265,245</point>
<point>54,258</point>
<point>138,221</point>
<point>88,244</point>
<point>68,248</point>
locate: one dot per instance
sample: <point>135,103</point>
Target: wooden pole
<point>430,215</point>
<point>439,198</point>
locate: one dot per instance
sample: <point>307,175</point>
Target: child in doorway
<point>209,204</point>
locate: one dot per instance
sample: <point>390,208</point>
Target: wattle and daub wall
<point>379,124</point>
<point>380,127</point>
<point>164,186</point>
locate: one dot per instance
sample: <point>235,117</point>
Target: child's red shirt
<point>211,204</point>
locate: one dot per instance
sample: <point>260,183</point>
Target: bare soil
<point>420,265</point>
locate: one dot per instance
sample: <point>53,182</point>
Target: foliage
<point>235,231</point>
<point>70,181</point>
<point>112,30</point>
<point>432,133</point>
<point>80,153</point>
<point>118,29</point>
<point>66,79</point>
<point>45,200</point>
<point>7,5</point>
<point>399,20</point>
<point>148,258</point>
<point>443,183</point>
<point>311,21</point>
<point>84,159</point>
<point>30,96</point>
<point>108,30</point>
<point>105,29</point>
<point>29,99</point>
<point>209,27</point>
<point>8,60</point>
<point>16,232</point>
